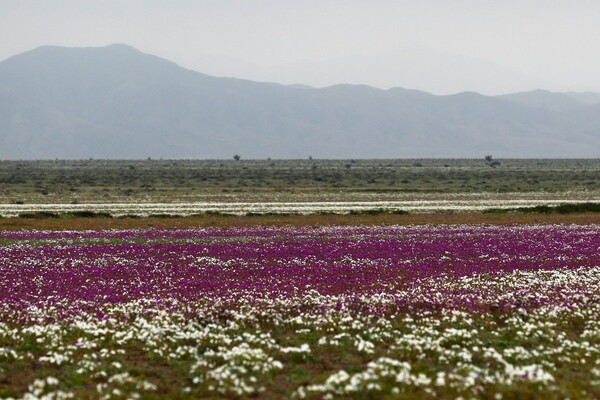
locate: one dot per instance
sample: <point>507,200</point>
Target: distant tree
<point>491,162</point>
<point>237,157</point>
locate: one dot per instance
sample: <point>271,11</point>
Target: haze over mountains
<point>116,102</point>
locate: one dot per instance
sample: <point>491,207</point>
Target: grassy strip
<point>560,209</point>
<point>298,220</point>
<point>69,214</point>
<point>95,214</point>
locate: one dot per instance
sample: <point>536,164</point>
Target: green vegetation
<point>560,209</point>
<point>66,214</point>
<point>192,180</point>
<point>95,214</point>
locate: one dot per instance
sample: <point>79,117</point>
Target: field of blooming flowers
<point>305,312</point>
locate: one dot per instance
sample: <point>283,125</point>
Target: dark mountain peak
<point>409,92</point>
<point>535,93</point>
<point>465,95</point>
<point>113,47</point>
<point>348,88</point>
<point>121,47</point>
<point>64,53</point>
<point>70,75</point>
<point>351,86</point>
<point>300,86</point>
<point>71,58</point>
<point>539,92</point>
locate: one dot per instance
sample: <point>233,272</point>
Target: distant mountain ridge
<point>547,100</point>
<point>117,102</point>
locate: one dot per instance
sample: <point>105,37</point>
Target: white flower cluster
<point>45,389</point>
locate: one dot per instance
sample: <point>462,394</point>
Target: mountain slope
<point>586,97</point>
<point>116,102</point>
<point>545,99</point>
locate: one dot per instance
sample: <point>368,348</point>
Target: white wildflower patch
<point>304,348</point>
<point>45,389</point>
<point>234,370</point>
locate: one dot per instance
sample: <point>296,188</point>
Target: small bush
<point>124,216</point>
<point>560,209</point>
<point>164,216</point>
<point>378,211</point>
<point>39,215</point>
<point>87,214</point>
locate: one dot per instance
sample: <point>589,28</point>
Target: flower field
<point>470,311</point>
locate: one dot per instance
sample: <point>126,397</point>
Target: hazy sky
<point>442,46</point>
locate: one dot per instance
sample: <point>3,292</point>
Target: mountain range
<point>117,102</point>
